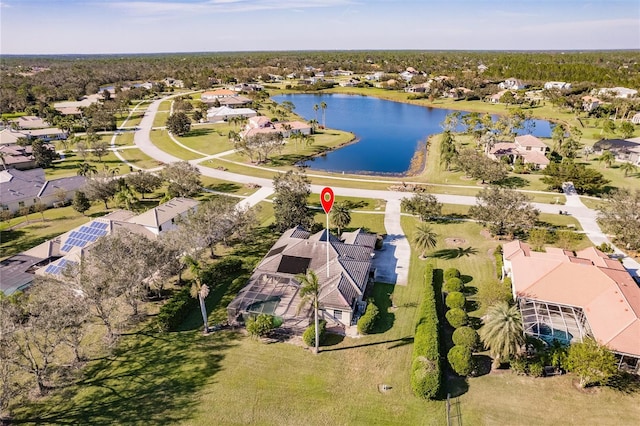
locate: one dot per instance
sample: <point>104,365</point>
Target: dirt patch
<point>589,391</point>
<point>455,241</point>
<point>486,234</point>
<point>384,388</point>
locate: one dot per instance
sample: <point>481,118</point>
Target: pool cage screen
<point>265,294</point>
<point>549,321</point>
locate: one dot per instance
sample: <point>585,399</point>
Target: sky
<point>152,26</point>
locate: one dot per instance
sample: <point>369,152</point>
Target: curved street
<point>396,242</point>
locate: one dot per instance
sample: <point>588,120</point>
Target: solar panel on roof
<point>51,269</point>
<point>66,247</point>
<point>294,264</point>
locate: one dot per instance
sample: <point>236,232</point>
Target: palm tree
<point>2,160</point>
<point>86,169</point>
<point>502,331</point>
<point>315,108</point>
<point>341,216</point>
<point>607,158</point>
<point>126,197</point>
<point>199,290</point>
<point>323,105</point>
<point>425,238</point>
<point>310,293</point>
<point>627,168</point>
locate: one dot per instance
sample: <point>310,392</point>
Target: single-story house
<point>624,149</point>
<point>51,257</point>
<point>223,113</point>
<point>247,87</point>
<point>558,85</point>
<point>512,84</point>
<point>237,101</point>
<point>163,218</point>
<point>590,103</point>
<point>24,188</point>
<point>262,124</point>
<point>30,122</point>
<point>526,147</point>
<point>73,107</point>
<point>274,289</point>
<point>567,296</point>
<point>212,95</point>
<point>9,136</point>
<point>17,157</point>
<point>618,92</point>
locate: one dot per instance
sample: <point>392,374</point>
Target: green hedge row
<point>175,310</point>
<point>426,374</point>
<point>368,320</point>
<point>499,264</point>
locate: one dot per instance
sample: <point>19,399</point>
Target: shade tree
<point>504,211</point>
<point>292,189</point>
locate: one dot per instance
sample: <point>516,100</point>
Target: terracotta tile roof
<point>530,140</point>
<point>590,280</point>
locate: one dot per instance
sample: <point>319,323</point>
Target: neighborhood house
<point>528,148</point>
<point>274,289</point>
<point>567,296</point>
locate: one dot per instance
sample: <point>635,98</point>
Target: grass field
<point>161,139</point>
<point>227,378</point>
<point>209,139</point>
<point>69,166</point>
<point>138,158</point>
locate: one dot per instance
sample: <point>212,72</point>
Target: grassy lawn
<point>208,139</point>
<point>124,139</point>
<point>161,118</point>
<point>226,186</point>
<point>138,158</point>
<point>366,204</point>
<point>29,234</point>
<point>69,166</point>
<point>592,203</point>
<point>227,378</point>
<point>161,139</point>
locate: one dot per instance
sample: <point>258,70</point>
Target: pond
<point>388,133</point>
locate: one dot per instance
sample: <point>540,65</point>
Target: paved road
<point>574,206</point>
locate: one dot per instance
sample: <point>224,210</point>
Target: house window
<point>4,207</point>
<point>528,148</point>
<point>337,314</point>
<point>20,203</point>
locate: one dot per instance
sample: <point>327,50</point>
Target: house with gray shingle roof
<point>273,288</point>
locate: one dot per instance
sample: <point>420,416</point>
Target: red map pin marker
<point>326,199</point>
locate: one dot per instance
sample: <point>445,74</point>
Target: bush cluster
<point>426,373</point>
<point>175,310</point>
<point>461,360</point>
<point>367,322</point>
<point>221,271</point>
<point>260,325</point>
<point>309,335</point>
<point>457,317</point>
<point>453,284</point>
<point>451,273</point>
<point>466,336</point>
<point>455,299</point>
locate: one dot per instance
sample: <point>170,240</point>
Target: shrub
<point>368,320</point>
<point>453,284</point>
<point>460,360</point>
<point>425,368</point>
<point>451,273</point>
<point>457,317</point>
<point>221,270</point>
<point>536,369</point>
<point>260,325</point>
<point>499,263</point>
<point>466,336</point>
<point>494,292</point>
<point>175,310</point>
<point>519,365</point>
<point>455,299</point>
<point>309,335</point>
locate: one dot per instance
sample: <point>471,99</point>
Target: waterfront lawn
<point>220,185</point>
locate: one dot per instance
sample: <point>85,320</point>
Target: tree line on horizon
<point>64,77</point>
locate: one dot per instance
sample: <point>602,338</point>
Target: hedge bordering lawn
<point>426,374</point>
